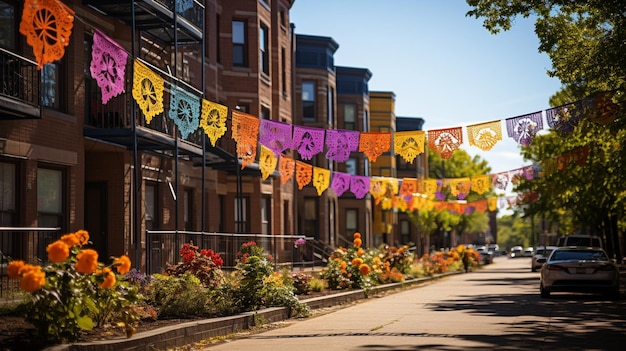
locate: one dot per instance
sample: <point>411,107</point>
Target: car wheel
<point>544,293</point>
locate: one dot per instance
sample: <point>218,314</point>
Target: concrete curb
<point>189,332</point>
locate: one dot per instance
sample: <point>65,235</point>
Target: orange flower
<point>365,269</point>
<point>14,268</point>
<point>343,265</point>
<point>360,252</point>
<point>357,242</point>
<point>123,264</point>
<point>70,239</point>
<point>356,235</point>
<point>58,251</point>
<point>83,236</point>
<point>109,278</point>
<point>357,262</point>
<point>87,261</point>
<point>33,279</point>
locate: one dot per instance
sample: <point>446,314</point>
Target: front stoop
<point>189,332</point>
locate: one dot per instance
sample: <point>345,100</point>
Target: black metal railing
<point>164,248</point>
<point>20,81</point>
<point>26,244</point>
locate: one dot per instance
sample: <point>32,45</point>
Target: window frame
<point>349,116</point>
<point>12,24</point>
<point>264,49</point>
<point>44,214</point>
<point>309,112</point>
<point>51,88</point>
<point>9,191</point>
<point>240,45</point>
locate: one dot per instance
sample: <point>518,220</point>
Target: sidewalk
<point>190,332</point>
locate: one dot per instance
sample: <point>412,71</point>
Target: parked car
<point>579,269</point>
<point>486,256</point>
<point>541,252</point>
<point>580,240</point>
<point>528,252</point>
<point>516,251</point>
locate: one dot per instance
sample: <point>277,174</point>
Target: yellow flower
<point>87,261</point>
<point>122,264</point>
<point>70,239</point>
<point>14,268</point>
<point>357,262</point>
<point>83,236</point>
<point>109,279</point>
<point>58,251</point>
<point>365,269</point>
<point>357,242</point>
<point>33,279</point>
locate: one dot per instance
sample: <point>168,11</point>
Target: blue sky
<point>441,65</point>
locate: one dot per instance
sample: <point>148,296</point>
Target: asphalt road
<point>495,308</point>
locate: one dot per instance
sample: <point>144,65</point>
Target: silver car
<point>541,252</point>
<point>579,269</point>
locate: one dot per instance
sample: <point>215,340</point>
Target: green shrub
<point>178,296</point>
<point>317,284</point>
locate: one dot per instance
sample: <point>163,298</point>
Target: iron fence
<point>164,248</point>
<point>22,243</point>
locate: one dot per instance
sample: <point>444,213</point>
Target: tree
<point>585,42</point>
<point>432,221</point>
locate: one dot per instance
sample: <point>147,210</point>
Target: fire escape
<point>169,38</point>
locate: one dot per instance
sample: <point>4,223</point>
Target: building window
<point>50,198</point>
<point>352,166</point>
<point>245,108</point>
<point>366,121</point>
<point>50,93</point>
<point>349,114</point>
<point>352,221</point>
<point>150,203</point>
<point>240,46</point>
<point>331,106</point>
<point>241,215</point>
<point>8,184</point>
<point>265,113</point>
<point>308,100</point>
<point>7,25</point>
<point>266,211</point>
<point>283,72</point>
<point>264,54</point>
<point>310,217</point>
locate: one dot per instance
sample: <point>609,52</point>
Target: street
<point>497,307</point>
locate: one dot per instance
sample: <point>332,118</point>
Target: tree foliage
<point>585,42</point>
<point>460,165</point>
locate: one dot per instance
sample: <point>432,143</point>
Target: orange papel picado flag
<point>245,131</point>
<point>47,25</point>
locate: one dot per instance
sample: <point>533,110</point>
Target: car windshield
<point>539,251</point>
<point>586,255</point>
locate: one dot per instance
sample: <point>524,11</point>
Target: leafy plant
<point>74,291</point>
<point>204,264</point>
<point>178,296</point>
<point>317,284</point>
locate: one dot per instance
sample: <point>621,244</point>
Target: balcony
<point>19,87</point>
<point>158,17</point>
